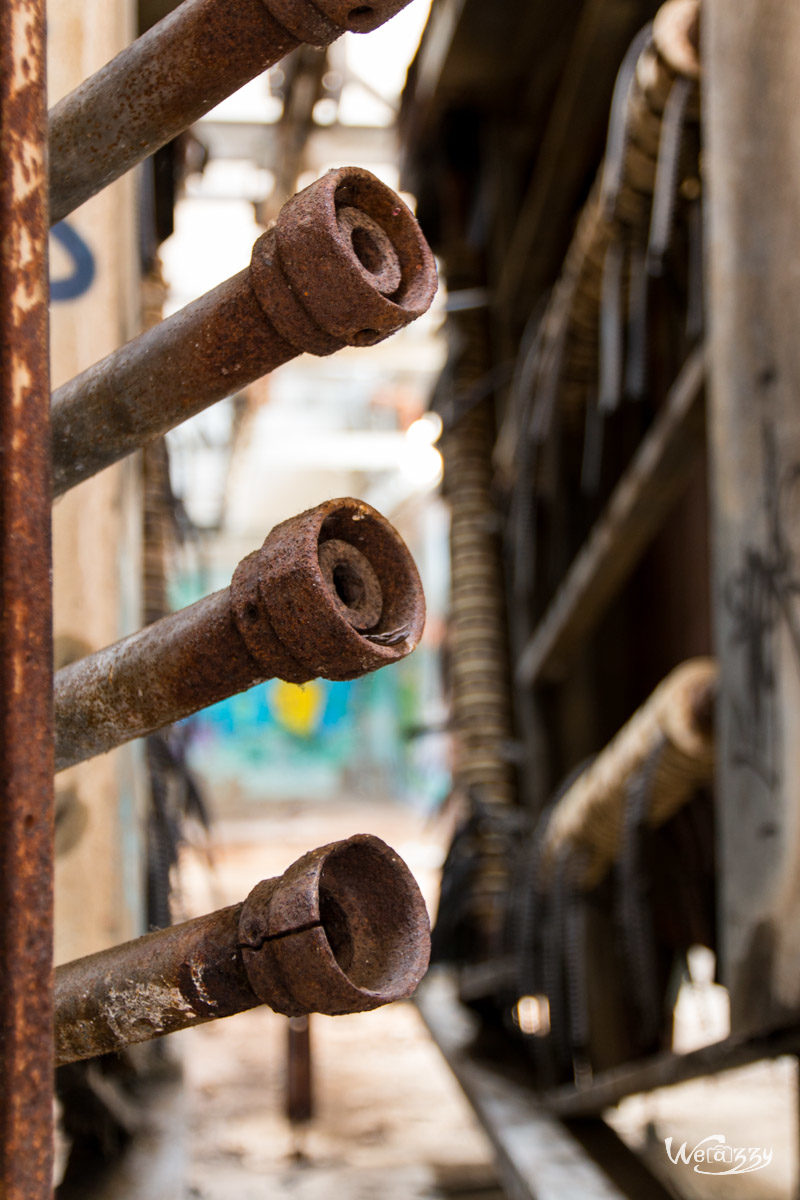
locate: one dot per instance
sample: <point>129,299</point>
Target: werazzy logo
<point>713,1156</point>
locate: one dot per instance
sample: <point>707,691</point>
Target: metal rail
<point>26,784</point>
<point>343,930</point>
<point>608,1088</point>
<point>333,592</point>
<point>180,69</point>
<point>538,1158</point>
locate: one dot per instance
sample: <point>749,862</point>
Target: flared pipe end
<point>347,264</point>
<point>344,929</point>
<point>337,587</point>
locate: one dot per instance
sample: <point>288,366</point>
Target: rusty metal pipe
<point>179,70</point>
<point>346,264</point>
<point>332,592</point>
<point>343,930</point>
<point>26,778</point>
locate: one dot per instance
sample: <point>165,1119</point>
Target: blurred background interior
<point>539,439</point>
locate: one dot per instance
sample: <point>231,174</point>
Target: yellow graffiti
<point>298,707</point>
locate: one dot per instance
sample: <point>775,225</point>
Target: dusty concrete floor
<point>389,1119</point>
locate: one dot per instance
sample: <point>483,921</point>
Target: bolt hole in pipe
<point>359,15</point>
<point>366,337</point>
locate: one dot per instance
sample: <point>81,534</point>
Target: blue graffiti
<point>81,278</point>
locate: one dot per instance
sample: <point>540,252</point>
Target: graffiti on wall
<point>321,740</point>
<point>81,271</point>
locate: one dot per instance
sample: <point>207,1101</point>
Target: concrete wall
<point>96,527</point>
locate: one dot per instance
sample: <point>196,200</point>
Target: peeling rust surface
<point>344,929</point>
<point>26,799</point>
<point>346,264</point>
<point>293,610</point>
<point>167,79</point>
<point>166,980</point>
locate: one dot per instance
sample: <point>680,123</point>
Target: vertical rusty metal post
<point>26,768</point>
<point>299,1073</point>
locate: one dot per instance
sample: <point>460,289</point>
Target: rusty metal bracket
<point>172,75</point>
<point>346,264</point>
<point>332,592</point>
<point>343,930</point>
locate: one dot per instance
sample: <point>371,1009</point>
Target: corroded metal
<point>344,929</point>
<point>26,791</point>
<point>179,70</point>
<point>346,264</point>
<point>295,609</point>
<point>299,1070</point>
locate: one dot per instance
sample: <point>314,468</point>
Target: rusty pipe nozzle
<point>362,931</point>
<point>333,592</point>
<point>201,52</point>
<point>344,929</point>
<point>338,590</point>
<point>346,264</point>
